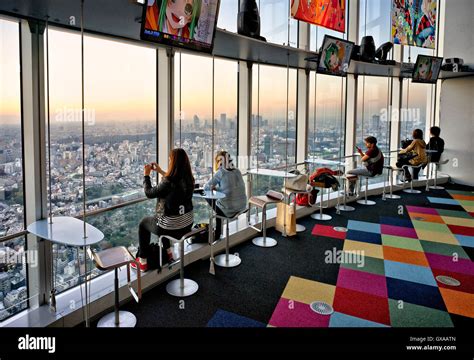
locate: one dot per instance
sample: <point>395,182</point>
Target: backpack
<point>307,199</point>
<point>202,237</point>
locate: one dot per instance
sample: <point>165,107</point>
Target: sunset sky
<point>120,78</point>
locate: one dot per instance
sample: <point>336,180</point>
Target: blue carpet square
<point>364,226</point>
<point>367,237</point>
<point>446,201</point>
<point>343,320</point>
<point>409,272</point>
<point>415,293</point>
<point>389,220</point>
<point>465,240</point>
<point>228,319</point>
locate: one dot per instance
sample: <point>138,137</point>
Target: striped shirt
<point>176,222</point>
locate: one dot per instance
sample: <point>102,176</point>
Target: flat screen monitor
<point>427,69</point>
<point>335,56</point>
<point>187,24</point>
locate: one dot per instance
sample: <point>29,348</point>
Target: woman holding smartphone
<point>174,208</point>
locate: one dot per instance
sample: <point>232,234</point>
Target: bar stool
<point>181,287</point>
<point>437,165</point>
<point>344,206</point>
<point>321,216</point>
<point>411,190</point>
<point>262,202</point>
<point>390,176</point>
<point>294,193</point>
<point>228,260</point>
<point>114,258</point>
<point>365,201</point>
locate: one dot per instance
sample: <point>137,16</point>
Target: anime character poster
<point>414,22</point>
<point>183,20</point>
<point>328,13</point>
<point>335,56</point>
<point>427,69</point>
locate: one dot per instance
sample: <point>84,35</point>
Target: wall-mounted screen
<point>427,69</point>
<point>335,56</point>
<point>182,23</point>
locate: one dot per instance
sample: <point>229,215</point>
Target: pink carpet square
<point>422,210</point>
<point>290,313</point>
<point>399,231</point>
<point>461,266</point>
<point>362,281</point>
<point>324,230</point>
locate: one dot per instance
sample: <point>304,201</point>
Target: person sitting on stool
<point>372,161</point>
<point>228,180</point>
<point>436,143</point>
<point>418,148</point>
<point>174,211</point>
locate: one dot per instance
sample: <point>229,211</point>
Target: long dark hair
<point>179,167</point>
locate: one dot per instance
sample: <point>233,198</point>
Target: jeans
<point>218,232</point>
<point>361,171</point>
<point>147,226</point>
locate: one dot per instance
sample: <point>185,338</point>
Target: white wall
<point>457,95</point>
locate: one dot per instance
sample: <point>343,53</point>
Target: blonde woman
<point>228,180</point>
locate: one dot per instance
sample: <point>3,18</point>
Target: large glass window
<point>274,17</point>
<point>326,124</point>
<point>13,268</point>
<point>228,12</point>
<point>195,130</point>
<point>372,105</point>
<point>11,163</point>
<point>273,135</point>
<point>375,20</point>
<point>120,137</point>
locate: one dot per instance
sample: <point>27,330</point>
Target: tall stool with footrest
<point>411,190</point>
<point>181,287</point>
<point>261,202</point>
<point>228,260</point>
<point>437,165</point>
<point>114,258</point>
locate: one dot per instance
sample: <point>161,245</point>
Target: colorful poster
<point>414,22</point>
<point>328,13</point>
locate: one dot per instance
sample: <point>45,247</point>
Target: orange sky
<point>120,80</point>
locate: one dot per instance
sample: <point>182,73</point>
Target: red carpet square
<point>290,313</point>
<point>461,230</point>
<point>467,281</point>
<point>457,265</point>
<point>362,305</point>
<point>422,210</point>
<point>328,231</point>
<point>362,281</point>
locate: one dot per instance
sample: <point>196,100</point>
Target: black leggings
<point>416,171</point>
<point>148,226</point>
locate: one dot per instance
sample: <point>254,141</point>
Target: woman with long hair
<point>174,208</point>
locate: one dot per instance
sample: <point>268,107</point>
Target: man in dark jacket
<point>436,143</point>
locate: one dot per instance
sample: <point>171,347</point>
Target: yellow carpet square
<point>458,221</point>
<point>436,237</point>
<point>372,250</point>
<point>308,291</point>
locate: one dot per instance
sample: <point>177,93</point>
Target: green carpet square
<point>431,226</point>
<point>454,213</point>
<point>443,249</point>
<point>412,315</point>
<point>371,265</point>
<point>401,242</point>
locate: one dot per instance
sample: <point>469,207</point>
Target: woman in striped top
<point>174,209</point>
